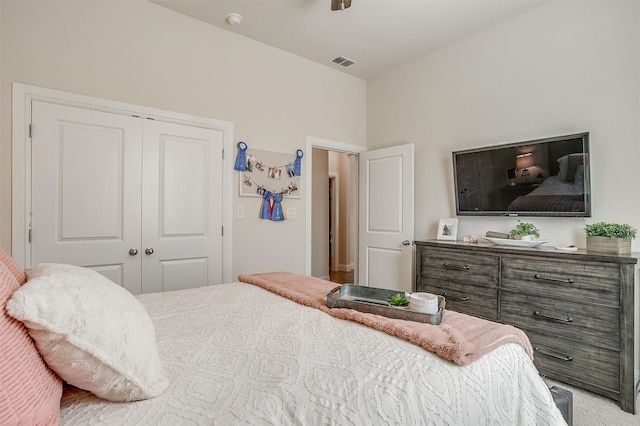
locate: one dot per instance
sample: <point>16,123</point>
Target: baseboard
<point>326,278</point>
<point>346,268</point>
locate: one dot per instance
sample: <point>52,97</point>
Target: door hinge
<point>30,129</point>
<point>30,232</point>
<point>223,153</point>
<point>222,230</point>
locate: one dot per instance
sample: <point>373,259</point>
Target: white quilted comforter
<point>237,354</point>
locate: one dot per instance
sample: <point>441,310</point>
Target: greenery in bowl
<point>398,300</point>
<point>611,230</point>
<point>523,229</point>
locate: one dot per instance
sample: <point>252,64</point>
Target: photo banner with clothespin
<point>275,172</point>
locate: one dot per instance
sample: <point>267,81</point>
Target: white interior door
<point>86,185</point>
<point>182,207</point>
<point>138,200</point>
<point>386,218</point>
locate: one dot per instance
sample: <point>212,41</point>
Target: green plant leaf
<point>611,230</point>
<point>524,228</point>
<point>398,300</point>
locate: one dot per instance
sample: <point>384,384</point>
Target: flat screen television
<point>543,177</point>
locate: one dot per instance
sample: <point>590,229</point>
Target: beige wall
<point>320,214</point>
<point>340,166</point>
<point>140,53</point>
<point>565,67</point>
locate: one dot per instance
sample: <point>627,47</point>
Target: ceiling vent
<point>342,61</point>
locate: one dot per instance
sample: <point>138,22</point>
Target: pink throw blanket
<point>459,338</point>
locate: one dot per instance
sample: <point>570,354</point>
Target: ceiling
<point>378,35</point>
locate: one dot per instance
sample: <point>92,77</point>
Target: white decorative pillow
<point>563,163</point>
<point>95,334</point>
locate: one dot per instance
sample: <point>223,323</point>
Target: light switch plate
<point>291,212</point>
<point>240,214</point>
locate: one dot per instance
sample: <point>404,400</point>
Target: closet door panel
<point>182,212</point>
<point>91,182</point>
<point>183,187</point>
<point>86,183</point>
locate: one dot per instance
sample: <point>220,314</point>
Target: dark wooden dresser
<point>577,308</point>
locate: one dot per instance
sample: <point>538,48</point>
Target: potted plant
<point>524,231</point>
<point>610,237</point>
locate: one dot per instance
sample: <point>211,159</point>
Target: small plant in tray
<point>398,300</point>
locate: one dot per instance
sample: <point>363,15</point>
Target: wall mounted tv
<point>543,177</point>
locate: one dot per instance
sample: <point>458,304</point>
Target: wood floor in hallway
<point>341,277</point>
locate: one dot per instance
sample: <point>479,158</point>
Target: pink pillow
<point>11,264</point>
<point>29,391</point>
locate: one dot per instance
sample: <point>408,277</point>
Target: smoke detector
<point>234,18</point>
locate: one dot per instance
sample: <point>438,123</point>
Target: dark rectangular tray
<point>374,301</point>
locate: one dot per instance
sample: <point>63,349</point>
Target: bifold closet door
<point>181,206</point>
<point>86,173</point>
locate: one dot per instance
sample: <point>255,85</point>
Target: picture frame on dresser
<point>448,229</point>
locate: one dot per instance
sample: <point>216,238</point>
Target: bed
<point>563,192</point>
<point>553,195</point>
<point>239,353</point>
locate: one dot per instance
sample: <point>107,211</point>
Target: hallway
<point>341,277</point>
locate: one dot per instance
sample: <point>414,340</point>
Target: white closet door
<point>86,184</point>
<point>181,206</point>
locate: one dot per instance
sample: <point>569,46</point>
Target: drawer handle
<point>457,299</point>
<point>558,280</point>
<point>562,358</point>
<point>538,314</point>
<point>457,267</point>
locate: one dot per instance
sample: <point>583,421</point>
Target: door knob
<point>406,243</point>
<point>133,251</point>
<point>149,250</point>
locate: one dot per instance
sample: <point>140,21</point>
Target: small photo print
<point>448,229</point>
<point>274,172</point>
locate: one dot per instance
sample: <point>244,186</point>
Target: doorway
<point>341,265</point>
<point>379,262</point>
<point>333,215</point>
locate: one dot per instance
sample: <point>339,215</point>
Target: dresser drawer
<point>465,268</point>
<point>593,324</point>
<point>575,362</point>
<point>471,300</point>
<point>581,282</point>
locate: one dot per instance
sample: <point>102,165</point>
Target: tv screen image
<point>542,177</point>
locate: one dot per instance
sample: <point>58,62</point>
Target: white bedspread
<point>237,354</point>
<point>554,186</point>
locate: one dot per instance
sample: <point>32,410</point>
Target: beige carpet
<point>594,410</point>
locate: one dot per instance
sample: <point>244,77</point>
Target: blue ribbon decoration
<point>297,165</point>
<point>241,159</point>
<point>266,205</point>
<point>277,214</point>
